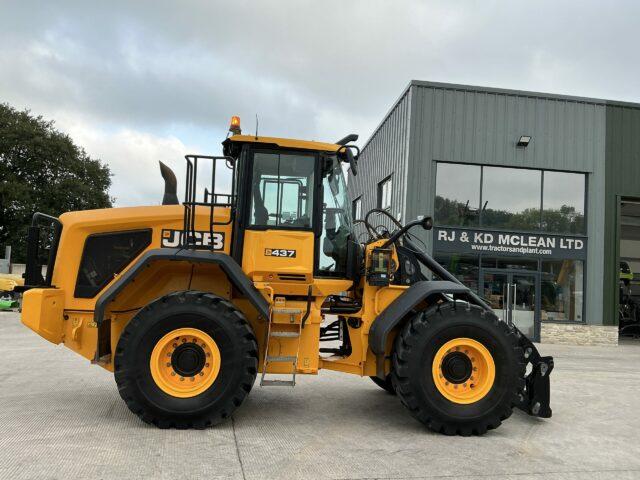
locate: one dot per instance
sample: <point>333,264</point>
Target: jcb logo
<point>204,239</point>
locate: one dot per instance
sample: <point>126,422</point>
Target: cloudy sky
<point>135,82</point>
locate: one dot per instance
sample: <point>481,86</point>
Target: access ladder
<point>281,330</point>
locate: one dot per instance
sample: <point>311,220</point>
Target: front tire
<point>458,369</point>
<point>187,360</point>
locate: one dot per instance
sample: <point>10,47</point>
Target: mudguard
<point>228,265</point>
<point>400,308</point>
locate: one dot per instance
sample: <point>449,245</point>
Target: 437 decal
<point>279,252</point>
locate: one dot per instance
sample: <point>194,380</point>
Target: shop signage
<point>500,243</point>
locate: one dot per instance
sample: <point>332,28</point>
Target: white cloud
<point>134,82</point>
<point>133,159</point>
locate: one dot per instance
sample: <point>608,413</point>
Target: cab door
<point>278,241</point>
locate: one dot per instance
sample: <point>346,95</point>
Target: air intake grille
<point>106,254</point>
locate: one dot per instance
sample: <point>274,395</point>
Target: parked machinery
<point>188,304</point>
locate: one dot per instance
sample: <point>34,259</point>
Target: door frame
<point>510,272</point>
<point>244,192</point>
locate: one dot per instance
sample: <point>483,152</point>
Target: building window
<point>511,198</point>
<point>356,209</point>
<point>384,194</point>
<point>561,294</point>
<point>519,199</point>
<point>563,199</point>
<point>457,194</point>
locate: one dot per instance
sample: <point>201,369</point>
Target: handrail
<point>191,202</point>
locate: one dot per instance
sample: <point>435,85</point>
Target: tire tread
<point>249,364</point>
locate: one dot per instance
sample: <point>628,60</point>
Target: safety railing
<point>210,199</point>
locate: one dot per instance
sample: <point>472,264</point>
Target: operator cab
<point>292,204</point>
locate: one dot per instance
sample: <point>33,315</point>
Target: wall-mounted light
<point>523,141</point>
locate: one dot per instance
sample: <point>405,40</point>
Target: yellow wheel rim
<point>185,362</point>
<point>463,370</point>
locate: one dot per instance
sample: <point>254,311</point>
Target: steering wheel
<point>371,229</point>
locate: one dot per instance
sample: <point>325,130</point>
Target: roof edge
<point>522,93</point>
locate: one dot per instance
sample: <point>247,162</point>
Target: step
<point>284,358</point>
<point>277,383</point>
<point>284,334</point>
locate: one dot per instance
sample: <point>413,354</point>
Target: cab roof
<point>284,143</point>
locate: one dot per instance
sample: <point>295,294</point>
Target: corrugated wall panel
<point>384,154</point>
<point>483,127</point>
<point>480,126</point>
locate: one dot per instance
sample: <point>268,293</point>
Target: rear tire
<point>216,357</point>
<point>458,404</point>
<point>385,384</point>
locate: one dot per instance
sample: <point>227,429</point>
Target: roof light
<point>524,140</point>
<point>235,125</point>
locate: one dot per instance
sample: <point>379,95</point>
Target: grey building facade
<point>527,191</point>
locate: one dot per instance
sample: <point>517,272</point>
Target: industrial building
<point>535,198</point>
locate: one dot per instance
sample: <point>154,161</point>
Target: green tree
<point>42,170</point>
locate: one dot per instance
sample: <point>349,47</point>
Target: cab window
<point>282,190</point>
<point>337,228</point>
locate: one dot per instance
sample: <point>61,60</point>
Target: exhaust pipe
<point>170,186</point>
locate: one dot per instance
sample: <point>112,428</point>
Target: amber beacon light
<point>235,125</point>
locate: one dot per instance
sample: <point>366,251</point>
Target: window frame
<point>481,226</point>
<point>317,273</point>
<point>381,192</point>
<point>317,199</point>
<point>356,205</point>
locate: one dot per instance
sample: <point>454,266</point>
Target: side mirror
<point>353,162</point>
<point>427,223</point>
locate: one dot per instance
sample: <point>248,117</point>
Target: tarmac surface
<point>62,418</point>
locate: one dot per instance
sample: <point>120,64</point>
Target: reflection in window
<point>464,268</point>
<point>384,194</point>
<point>457,194</point>
<point>561,292</point>
<point>509,263</point>
<point>281,193</point>
<point>511,198</point>
<point>494,291</point>
<point>563,202</point>
<point>336,221</point>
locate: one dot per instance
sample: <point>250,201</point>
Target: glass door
<point>523,303</point>
<point>512,296</point>
<point>495,291</point>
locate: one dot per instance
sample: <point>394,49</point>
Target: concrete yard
<point>61,417</point>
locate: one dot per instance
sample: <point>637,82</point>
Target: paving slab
<point>61,418</point>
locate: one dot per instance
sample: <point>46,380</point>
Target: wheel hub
<point>456,367</point>
<point>188,359</point>
<point>185,362</point>
<point>463,370</point>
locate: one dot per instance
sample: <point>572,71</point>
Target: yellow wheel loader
<point>188,304</point>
